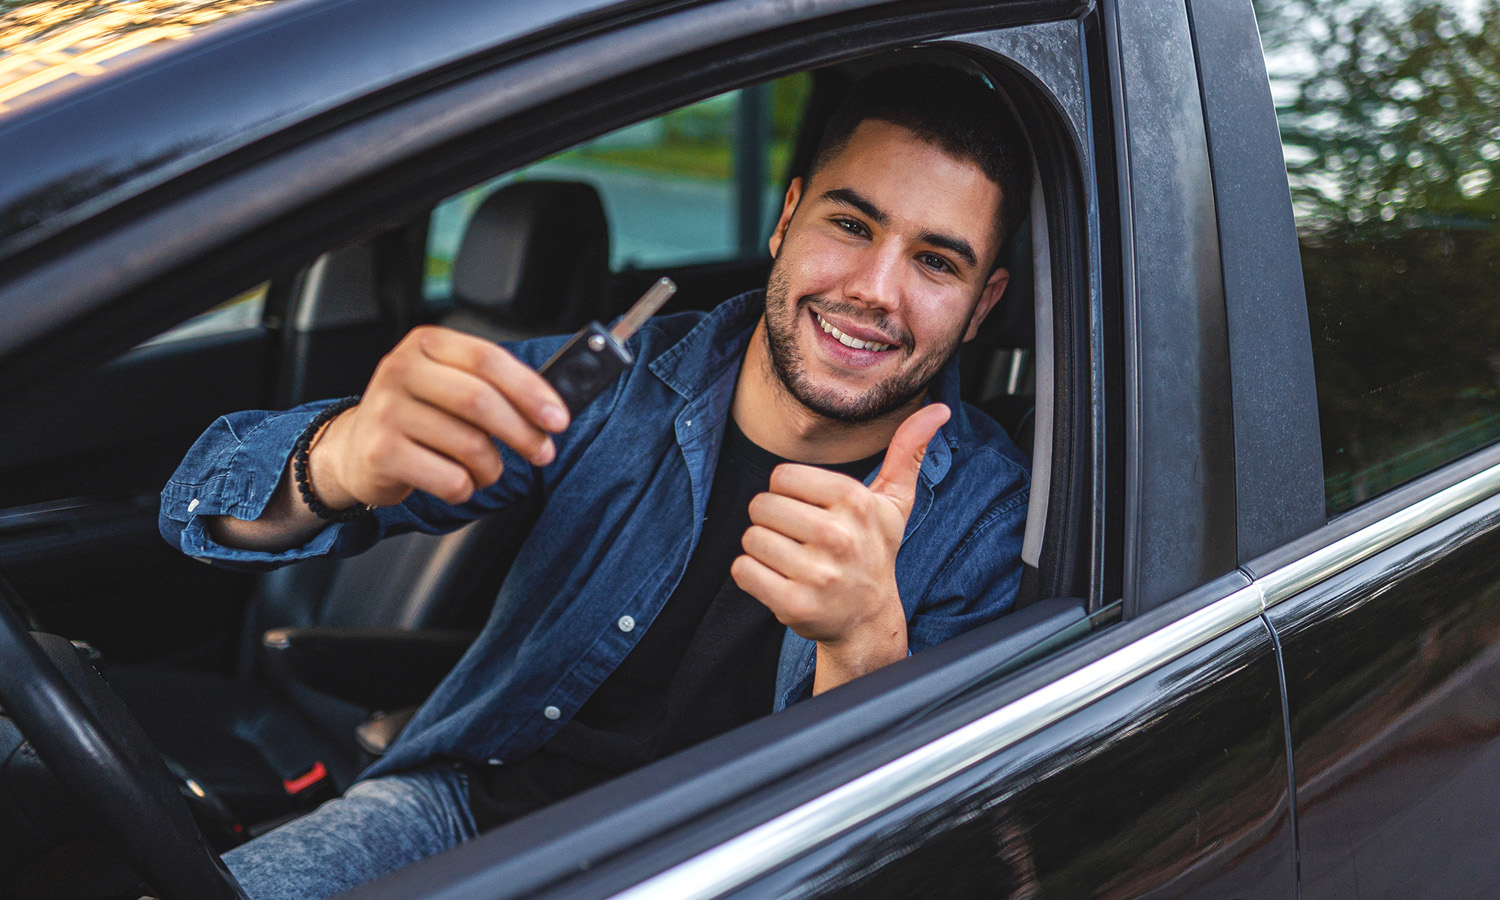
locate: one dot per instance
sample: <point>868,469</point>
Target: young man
<point>765,505</point>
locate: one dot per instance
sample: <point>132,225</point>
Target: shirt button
<point>626,623</point>
<point>193,505</point>
<point>552,713</point>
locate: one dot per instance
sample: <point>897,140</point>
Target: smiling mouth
<point>852,342</point>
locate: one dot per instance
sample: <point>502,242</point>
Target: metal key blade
<point>643,309</point>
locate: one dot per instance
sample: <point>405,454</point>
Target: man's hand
<point>821,554</point>
<point>425,422</point>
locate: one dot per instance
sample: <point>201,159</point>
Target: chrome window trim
<point>1300,574</point>
<point>760,850</point>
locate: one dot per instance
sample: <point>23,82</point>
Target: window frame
<point>848,731</point>
<point>1277,447</point>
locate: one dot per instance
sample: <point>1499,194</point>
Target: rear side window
<point>700,184</point>
<point>239,313</point>
<point>1388,123</point>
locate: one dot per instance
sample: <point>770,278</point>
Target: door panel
<point>79,480</point>
<point>120,428</point>
<point>1174,786</point>
<point>1393,685</point>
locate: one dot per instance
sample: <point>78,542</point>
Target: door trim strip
<point>1301,574</point>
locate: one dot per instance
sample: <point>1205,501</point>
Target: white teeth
<point>848,341</point>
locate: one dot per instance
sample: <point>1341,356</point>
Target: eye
<point>936,263</point>
<point>852,226</point>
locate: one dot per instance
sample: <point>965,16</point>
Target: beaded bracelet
<point>299,467</point>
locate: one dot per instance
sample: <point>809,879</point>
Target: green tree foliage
<point>1388,114</point>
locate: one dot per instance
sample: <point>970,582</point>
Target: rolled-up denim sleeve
<point>233,470</point>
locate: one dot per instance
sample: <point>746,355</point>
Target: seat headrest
<point>1012,323</point>
<point>536,255</point>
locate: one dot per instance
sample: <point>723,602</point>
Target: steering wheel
<point>95,747</point>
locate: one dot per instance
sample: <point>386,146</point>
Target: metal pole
<point>751,120</point>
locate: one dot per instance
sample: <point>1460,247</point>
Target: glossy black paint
<point>263,72</point>
<point>1392,668</point>
<point>1174,786</point>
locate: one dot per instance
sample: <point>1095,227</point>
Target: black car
<point>1251,346</point>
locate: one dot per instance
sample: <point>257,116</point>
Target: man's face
<point>880,274</point>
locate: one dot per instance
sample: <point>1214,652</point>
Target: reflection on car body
<point>1263,438</point>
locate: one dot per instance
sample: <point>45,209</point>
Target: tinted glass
<point>1389,125</point>
<point>698,184</point>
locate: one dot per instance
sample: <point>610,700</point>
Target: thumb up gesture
<point>821,554</point>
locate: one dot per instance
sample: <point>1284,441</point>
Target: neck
<point>775,420</point>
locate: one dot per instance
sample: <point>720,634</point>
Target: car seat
<point>533,261</point>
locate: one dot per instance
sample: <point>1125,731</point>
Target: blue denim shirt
<point>621,507</point>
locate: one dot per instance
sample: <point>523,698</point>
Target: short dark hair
<point>947,107</point>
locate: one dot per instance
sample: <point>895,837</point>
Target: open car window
<point>365,286</point>
<point>701,184</point>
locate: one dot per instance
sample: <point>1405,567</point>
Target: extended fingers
<point>454,439</point>
<point>790,558</point>
<point>528,391</point>
<point>472,400</point>
<point>814,485</point>
<point>794,518</point>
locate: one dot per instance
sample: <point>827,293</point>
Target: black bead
<point>299,467</point>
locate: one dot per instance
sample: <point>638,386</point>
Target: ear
<point>788,206</point>
<point>988,297</point>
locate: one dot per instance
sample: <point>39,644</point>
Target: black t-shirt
<point>707,664</point>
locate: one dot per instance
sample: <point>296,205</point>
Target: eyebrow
<point>847,197</point>
<point>958,246</point>
<point>955,245</point>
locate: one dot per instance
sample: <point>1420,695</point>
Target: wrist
<point>316,481</point>
<point>870,646</point>
<point>322,470</point>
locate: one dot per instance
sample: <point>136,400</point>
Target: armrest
<point>376,668</point>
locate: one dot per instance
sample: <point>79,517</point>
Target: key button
<point>626,623</point>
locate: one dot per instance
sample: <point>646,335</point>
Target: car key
<point>594,357</point>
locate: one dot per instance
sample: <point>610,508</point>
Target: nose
<point>876,279</point>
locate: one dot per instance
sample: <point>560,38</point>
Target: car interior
<point>269,693</point>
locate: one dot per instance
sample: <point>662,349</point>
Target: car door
<point>89,452</point>
<point>1387,611</point>
<point>1147,760</point>
<point>81,467</point>
<point>86,454</point>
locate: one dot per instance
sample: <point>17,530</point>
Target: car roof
<point>119,98</point>
<point>51,46</point>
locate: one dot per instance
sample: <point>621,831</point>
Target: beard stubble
<point>882,400</point>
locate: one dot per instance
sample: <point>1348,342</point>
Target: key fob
<point>587,364</point>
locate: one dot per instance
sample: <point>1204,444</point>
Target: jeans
<point>377,827</point>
